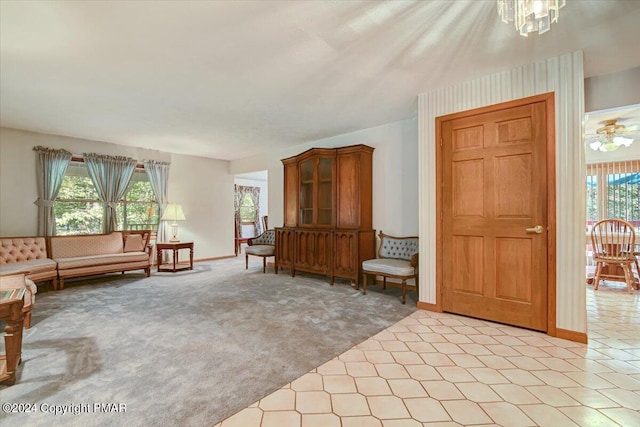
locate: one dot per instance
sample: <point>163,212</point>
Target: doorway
<point>496,198</point>
<point>251,206</point>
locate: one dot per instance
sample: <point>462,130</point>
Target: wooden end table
<point>175,248</point>
<point>11,302</point>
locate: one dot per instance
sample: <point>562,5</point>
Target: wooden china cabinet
<point>327,212</point>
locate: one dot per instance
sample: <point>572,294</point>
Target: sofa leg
<point>246,261</point>
<point>147,271</point>
<point>60,284</point>
<point>404,291</point>
<point>364,283</point>
<point>264,264</point>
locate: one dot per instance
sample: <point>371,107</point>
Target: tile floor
<point>437,369</point>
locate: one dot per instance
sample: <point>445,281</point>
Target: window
<point>613,191</point>
<point>138,209</point>
<point>78,208</point>
<point>247,209</point>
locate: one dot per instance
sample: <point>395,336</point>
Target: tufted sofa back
<point>397,247</point>
<point>19,249</point>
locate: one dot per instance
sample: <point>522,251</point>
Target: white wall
<point>565,77</point>
<point>612,90</point>
<point>395,174</point>
<point>203,186</point>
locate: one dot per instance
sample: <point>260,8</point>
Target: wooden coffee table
<point>11,302</point>
<point>175,247</point>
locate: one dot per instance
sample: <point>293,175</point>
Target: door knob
<point>537,229</point>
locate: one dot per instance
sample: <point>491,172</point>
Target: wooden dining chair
<point>613,242</point>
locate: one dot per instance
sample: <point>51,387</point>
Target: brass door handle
<point>537,229</point>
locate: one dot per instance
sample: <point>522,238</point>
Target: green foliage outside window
<point>78,209</point>
<point>247,209</point>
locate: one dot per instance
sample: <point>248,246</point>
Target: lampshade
<point>173,212</point>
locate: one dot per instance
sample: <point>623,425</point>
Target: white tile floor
<point>437,369</point>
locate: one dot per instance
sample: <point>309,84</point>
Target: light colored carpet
<point>190,348</point>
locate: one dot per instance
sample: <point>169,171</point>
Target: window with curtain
<point>138,209</point>
<point>79,210</point>
<point>613,191</point>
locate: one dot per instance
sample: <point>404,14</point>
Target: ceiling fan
<point>612,136</point>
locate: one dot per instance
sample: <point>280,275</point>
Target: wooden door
<point>313,251</point>
<point>285,242</point>
<point>494,214</point>
<point>291,190</point>
<point>345,254</point>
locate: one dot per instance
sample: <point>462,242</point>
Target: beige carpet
<point>190,348</point>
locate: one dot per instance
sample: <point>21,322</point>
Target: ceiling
<point>233,79</point>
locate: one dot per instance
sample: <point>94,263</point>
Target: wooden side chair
<point>397,259</point>
<point>613,242</point>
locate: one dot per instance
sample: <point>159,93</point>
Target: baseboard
<point>214,258</point>
<point>429,307</point>
<point>155,264</point>
<point>565,334</point>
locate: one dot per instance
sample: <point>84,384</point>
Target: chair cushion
<point>397,267</point>
<point>260,250</point>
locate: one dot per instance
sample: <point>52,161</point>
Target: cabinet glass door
<point>325,190</point>
<point>306,192</point>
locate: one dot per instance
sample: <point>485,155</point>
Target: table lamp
<point>174,213</point>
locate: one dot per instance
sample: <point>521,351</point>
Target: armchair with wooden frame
<point>397,259</point>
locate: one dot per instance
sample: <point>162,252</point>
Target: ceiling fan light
<point>595,145</point>
<point>609,146</point>
<point>621,140</point>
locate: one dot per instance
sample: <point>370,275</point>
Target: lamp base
<point>174,231</point>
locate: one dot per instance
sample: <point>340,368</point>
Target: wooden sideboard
<point>327,212</point>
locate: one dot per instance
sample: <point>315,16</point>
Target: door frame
<point>549,100</point>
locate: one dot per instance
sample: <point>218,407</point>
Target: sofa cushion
<point>32,266</point>
<point>93,260</point>
<point>85,245</point>
<point>261,250</point>
<point>133,243</point>
<point>395,267</point>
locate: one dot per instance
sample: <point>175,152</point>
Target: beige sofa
<point>27,255</point>
<point>88,255</point>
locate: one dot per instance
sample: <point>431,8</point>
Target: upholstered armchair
<point>263,246</point>
<point>397,259</point>
<point>16,281</point>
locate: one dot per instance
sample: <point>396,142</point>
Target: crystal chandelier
<point>530,15</point>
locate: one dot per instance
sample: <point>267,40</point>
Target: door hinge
<point>441,215</point>
<point>441,142</point>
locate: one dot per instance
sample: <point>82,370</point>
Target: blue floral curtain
<point>51,166</point>
<point>110,176</point>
